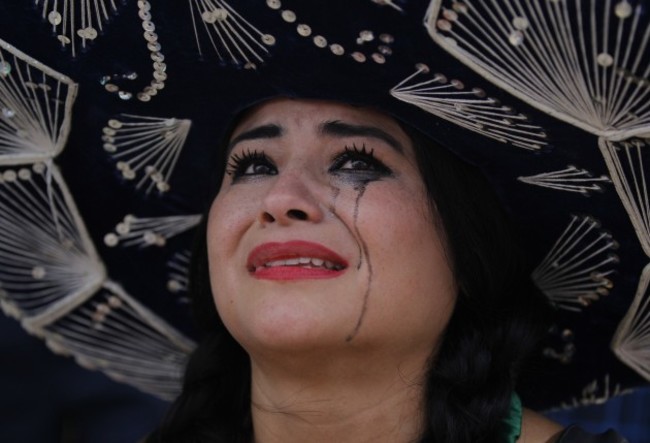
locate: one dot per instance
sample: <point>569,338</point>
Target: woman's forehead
<point>290,113</point>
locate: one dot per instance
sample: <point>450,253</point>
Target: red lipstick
<point>294,260</point>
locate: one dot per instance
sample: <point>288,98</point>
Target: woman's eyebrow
<point>258,132</point>
<point>340,129</point>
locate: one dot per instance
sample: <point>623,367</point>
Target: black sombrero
<point>109,112</point>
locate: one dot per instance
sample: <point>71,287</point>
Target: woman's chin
<point>290,319</point>
<point>291,331</point>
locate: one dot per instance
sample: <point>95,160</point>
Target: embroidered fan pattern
<point>146,145</point>
<point>232,37</point>
<point>585,62</point>
<point>574,272</point>
<point>35,107</point>
<point>570,179</point>
<point>77,19</point>
<point>468,108</point>
<point>632,338</point>
<point>114,333</point>
<point>47,262</point>
<point>152,231</point>
<point>51,278</point>
<point>628,162</point>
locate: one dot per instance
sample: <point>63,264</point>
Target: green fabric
<point>511,424</point>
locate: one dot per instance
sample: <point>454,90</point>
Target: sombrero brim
<point>110,119</point>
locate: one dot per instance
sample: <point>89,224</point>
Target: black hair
<point>500,315</point>
<point>470,380</point>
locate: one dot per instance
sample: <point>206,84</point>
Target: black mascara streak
<point>362,189</point>
<point>335,193</point>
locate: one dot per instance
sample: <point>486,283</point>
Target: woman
<point>412,296</point>
<point>366,289</point>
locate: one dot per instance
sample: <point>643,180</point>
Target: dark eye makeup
<point>358,160</point>
<point>250,163</point>
<point>354,162</point>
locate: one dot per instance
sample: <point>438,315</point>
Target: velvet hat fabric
<point>111,113</point>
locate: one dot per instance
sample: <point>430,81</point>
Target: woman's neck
<point>335,402</point>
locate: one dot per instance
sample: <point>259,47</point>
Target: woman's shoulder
<point>538,429</point>
<point>535,428</point>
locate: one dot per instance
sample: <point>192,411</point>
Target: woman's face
<point>322,235</point>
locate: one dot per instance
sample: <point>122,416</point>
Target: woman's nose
<point>291,198</point>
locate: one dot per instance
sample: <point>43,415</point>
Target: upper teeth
<point>304,261</point>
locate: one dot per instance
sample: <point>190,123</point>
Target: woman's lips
<point>294,260</point>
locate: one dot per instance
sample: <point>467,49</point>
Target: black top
<point>574,434</point>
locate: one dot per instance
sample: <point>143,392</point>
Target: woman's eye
<point>258,169</point>
<point>354,159</point>
<point>249,164</point>
<point>357,164</point>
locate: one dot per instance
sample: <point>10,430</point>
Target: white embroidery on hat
<point>47,261</point>
<point>468,108</point>
<point>152,231</point>
<point>595,393</point>
<point>51,279</point>
<point>178,277</point>
<point>574,272</point>
<point>367,45</point>
<point>567,349</point>
<point>631,340</point>
<point>115,333</point>
<point>144,145</point>
<point>629,166</point>
<point>77,19</point>
<point>35,108</point>
<point>390,3</point>
<point>233,38</point>
<point>586,63</point>
<point>159,75</point>
<point>570,179</point>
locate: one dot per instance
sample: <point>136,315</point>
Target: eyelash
<point>355,153</point>
<point>239,163</point>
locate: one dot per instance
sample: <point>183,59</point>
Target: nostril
<point>297,214</point>
<point>268,218</point>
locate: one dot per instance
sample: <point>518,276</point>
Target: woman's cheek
<point>232,212</point>
<point>224,231</point>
